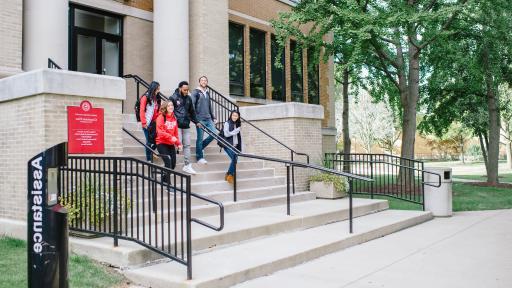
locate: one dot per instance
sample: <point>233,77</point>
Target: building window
<point>236,59</point>
<point>258,64</point>
<point>278,73</point>
<point>95,41</point>
<point>313,80</point>
<point>296,72</point>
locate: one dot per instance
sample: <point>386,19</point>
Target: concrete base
<point>13,228</point>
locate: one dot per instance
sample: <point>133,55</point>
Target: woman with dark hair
<point>233,136</point>
<point>167,136</point>
<point>149,106</point>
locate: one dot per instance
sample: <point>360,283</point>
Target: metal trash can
<point>438,200</point>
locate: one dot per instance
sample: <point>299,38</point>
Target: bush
<point>340,182</point>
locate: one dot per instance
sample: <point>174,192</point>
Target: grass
<point>503,177</point>
<point>466,197</point>
<point>83,272</point>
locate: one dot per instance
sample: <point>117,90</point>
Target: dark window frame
<point>296,95</point>
<point>242,82</point>
<point>264,64</point>
<point>277,96</point>
<point>73,38</point>
<point>317,72</point>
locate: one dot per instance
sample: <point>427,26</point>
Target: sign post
<point>47,227</point>
<point>86,134</point>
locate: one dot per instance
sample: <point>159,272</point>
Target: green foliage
<point>340,182</point>
<point>95,201</point>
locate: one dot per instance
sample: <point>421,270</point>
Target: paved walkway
<point>468,250</point>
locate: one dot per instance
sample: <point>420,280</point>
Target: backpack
<point>137,108</point>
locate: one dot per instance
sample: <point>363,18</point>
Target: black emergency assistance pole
<point>47,227</point>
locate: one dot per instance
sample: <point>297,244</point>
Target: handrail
<point>257,128</point>
<point>221,207</point>
<point>53,65</point>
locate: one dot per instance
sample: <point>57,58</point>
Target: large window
<point>95,41</point>
<point>258,64</point>
<point>313,79</point>
<point>236,59</point>
<point>296,72</point>
<point>278,73</point>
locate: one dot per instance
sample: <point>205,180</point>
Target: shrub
<point>340,182</point>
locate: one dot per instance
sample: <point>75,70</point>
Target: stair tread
<point>218,268</point>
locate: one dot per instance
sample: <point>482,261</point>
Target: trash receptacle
<point>438,200</point>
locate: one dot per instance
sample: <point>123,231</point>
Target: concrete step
<point>241,174</point>
<point>134,148</point>
<point>236,264</point>
<point>212,186</point>
<point>239,226</point>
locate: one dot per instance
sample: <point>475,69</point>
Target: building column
<point>170,43</point>
<point>45,33</point>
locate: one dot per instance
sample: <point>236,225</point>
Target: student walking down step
<point>233,136</point>
<point>167,139</point>
<point>201,98</point>
<point>149,106</point>
<point>185,113</point>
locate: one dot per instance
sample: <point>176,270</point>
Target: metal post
<point>293,175</point>
<point>423,186</point>
<point>288,189</point>
<point>234,179</point>
<point>371,176</point>
<point>189,230</point>
<point>350,205</point>
<point>116,242</point>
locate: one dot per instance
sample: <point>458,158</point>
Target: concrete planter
<point>325,190</point>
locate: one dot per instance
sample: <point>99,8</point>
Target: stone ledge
<point>329,131</point>
<point>13,228</point>
<point>52,81</point>
<point>283,110</point>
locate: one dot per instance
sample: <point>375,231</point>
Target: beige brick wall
<point>137,56</point>
<point>141,4</point>
<point>37,123</point>
<point>11,23</point>
<point>301,134</point>
<point>209,43</point>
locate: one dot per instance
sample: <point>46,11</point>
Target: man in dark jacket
<point>185,113</point>
<point>204,112</point>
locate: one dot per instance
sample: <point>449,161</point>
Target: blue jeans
<point>200,143</point>
<point>149,154</point>
<point>233,157</point>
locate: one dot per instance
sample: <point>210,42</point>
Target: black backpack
<point>137,108</point>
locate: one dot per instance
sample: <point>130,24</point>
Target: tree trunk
<point>346,133</point>
<point>494,123</point>
<point>484,152</point>
<point>508,147</point>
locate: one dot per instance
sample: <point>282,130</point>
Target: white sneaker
<point>202,161</point>
<point>188,169</point>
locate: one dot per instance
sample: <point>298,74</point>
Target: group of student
<point>172,121</point>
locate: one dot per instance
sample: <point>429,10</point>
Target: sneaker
<point>202,161</point>
<point>188,169</point>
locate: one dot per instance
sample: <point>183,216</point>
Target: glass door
<point>95,41</point>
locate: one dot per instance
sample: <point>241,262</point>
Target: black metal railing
<point>130,199</point>
<point>53,65</point>
<point>289,167</point>
<point>393,176</point>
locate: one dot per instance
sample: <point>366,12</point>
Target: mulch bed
<point>486,184</point>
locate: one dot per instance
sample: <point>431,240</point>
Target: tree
<point>506,120</point>
<point>388,37</point>
<point>452,142</point>
<point>466,70</point>
<point>371,122</point>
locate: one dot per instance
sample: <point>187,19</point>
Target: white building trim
<point>248,17</point>
<point>116,7</point>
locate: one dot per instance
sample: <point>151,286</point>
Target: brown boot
<point>230,179</point>
<point>226,177</point>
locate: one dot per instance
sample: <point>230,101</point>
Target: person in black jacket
<point>231,133</point>
<point>185,113</point>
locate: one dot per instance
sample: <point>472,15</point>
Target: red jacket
<point>167,129</point>
<point>143,103</point>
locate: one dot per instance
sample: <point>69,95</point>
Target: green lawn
<point>503,177</point>
<point>466,197</point>
<point>83,272</point>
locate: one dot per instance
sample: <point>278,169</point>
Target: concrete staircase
<point>258,238</point>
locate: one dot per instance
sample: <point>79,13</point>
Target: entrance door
<point>95,41</point>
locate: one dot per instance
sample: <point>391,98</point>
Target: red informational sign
<point>85,129</point>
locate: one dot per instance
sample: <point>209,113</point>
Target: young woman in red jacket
<point>149,106</point>
<point>167,134</point>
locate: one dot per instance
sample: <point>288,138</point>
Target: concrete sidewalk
<point>470,249</point>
